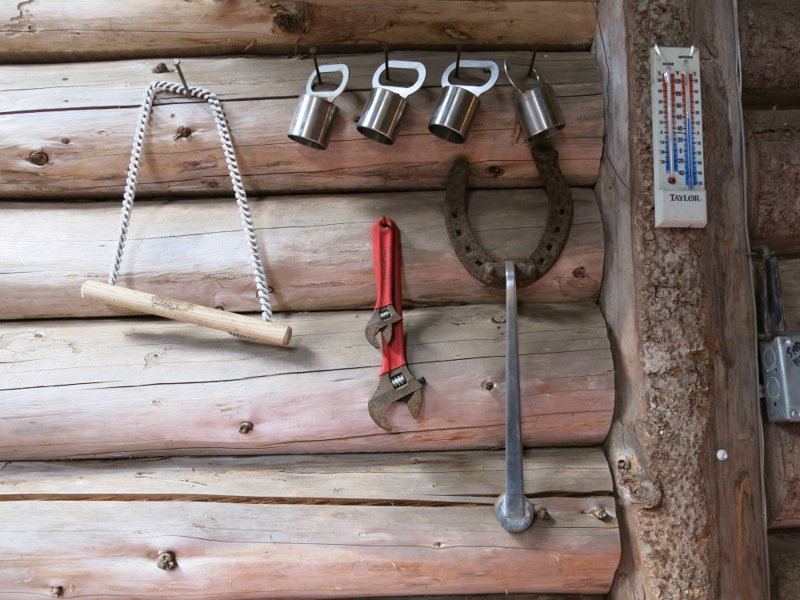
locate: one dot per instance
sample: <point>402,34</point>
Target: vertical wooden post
<point>679,305</point>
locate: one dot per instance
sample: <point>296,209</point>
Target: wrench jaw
<point>381,322</point>
<point>398,385</point>
<point>514,521</point>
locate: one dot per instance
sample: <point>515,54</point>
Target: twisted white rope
<point>233,169</point>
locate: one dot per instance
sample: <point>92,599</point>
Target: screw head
<point>794,414</point>
<point>245,427</point>
<point>722,454</point>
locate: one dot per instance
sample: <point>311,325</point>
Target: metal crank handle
<point>513,510</point>
<point>268,332</point>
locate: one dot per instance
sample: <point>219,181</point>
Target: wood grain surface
<point>81,146</point>
<point>773,172</point>
<point>250,551</point>
<point>316,251</point>
<point>782,474</point>
<point>73,389</point>
<point>48,30</point>
<point>425,478</point>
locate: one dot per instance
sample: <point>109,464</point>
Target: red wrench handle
<point>387,262</point>
<point>384,234</point>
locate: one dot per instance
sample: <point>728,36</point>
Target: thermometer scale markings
<point>690,121</point>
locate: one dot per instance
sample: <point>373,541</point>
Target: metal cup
<point>453,114</point>
<point>315,110</point>
<point>537,108</point>
<point>386,104</point>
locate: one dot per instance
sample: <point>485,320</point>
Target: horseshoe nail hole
<point>454,214</point>
<point>468,249</point>
<point>458,233</point>
<point>541,261</point>
<point>562,212</point>
<point>557,229</point>
<point>549,246</point>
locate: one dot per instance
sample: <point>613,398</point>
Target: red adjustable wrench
<point>397,383</point>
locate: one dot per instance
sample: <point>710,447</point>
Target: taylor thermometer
<point>680,194</point>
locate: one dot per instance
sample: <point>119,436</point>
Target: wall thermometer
<point>680,194</point>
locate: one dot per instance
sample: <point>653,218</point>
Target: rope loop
<point>223,130</point>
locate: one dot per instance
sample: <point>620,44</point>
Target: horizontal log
<point>30,88</point>
<point>784,556</point>
<point>769,47</point>
<point>83,151</point>
<point>48,31</point>
<point>773,157</point>
<point>782,474</point>
<point>233,551</point>
<point>475,477</point>
<point>316,251</point>
<point>73,389</point>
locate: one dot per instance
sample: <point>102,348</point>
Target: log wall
<point>771,97</point>
<point>200,465</point>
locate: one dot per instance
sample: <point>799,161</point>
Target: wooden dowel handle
<point>268,332</point>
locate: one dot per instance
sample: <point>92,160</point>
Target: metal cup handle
<point>403,91</point>
<point>534,74</point>
<point>494,72</point>
<point>329,95</point>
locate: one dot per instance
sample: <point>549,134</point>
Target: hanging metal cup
<point>453,115</point>
<point>315,111</point>
<point>387,103</point>
<point>537,108</point>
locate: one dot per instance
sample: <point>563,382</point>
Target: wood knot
<point>496,171</point>
<point>245,427</point>
<point>182,132</point>
<point>166,561</point>
<point>488,385</point>
<point>646,492</point>
<point>598,512</point>
<point>57,591</point>
<point>38,158</point>
<point>499,318</point>
<point>292,16</point>
<point>542,514</point>
<point>161,68</point>
<point>579,272</point>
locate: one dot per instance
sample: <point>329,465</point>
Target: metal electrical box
<point>780,370</point>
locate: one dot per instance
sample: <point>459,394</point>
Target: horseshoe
<point>479,263</point>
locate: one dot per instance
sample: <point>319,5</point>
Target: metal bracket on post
<point>779,351</point>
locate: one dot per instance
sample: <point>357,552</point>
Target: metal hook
<point>533,60</point>
<point>458,59</point>
<point>313,52</point>
<point>386,61</point>
<point>177,63</point>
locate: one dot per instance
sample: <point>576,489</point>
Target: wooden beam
<point>773,171</point>
<point>789,269</point>
<point>244,551</point>
<point>784,555</point>
<point>73,389</point>
<point>434,478</point>
<point>47,31</point>
<point>83,151</point>
<point>72,86</point>
<point>782,471</point>
<point>316,251</point>
<point>679,306</point>
<point>770,71</point>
